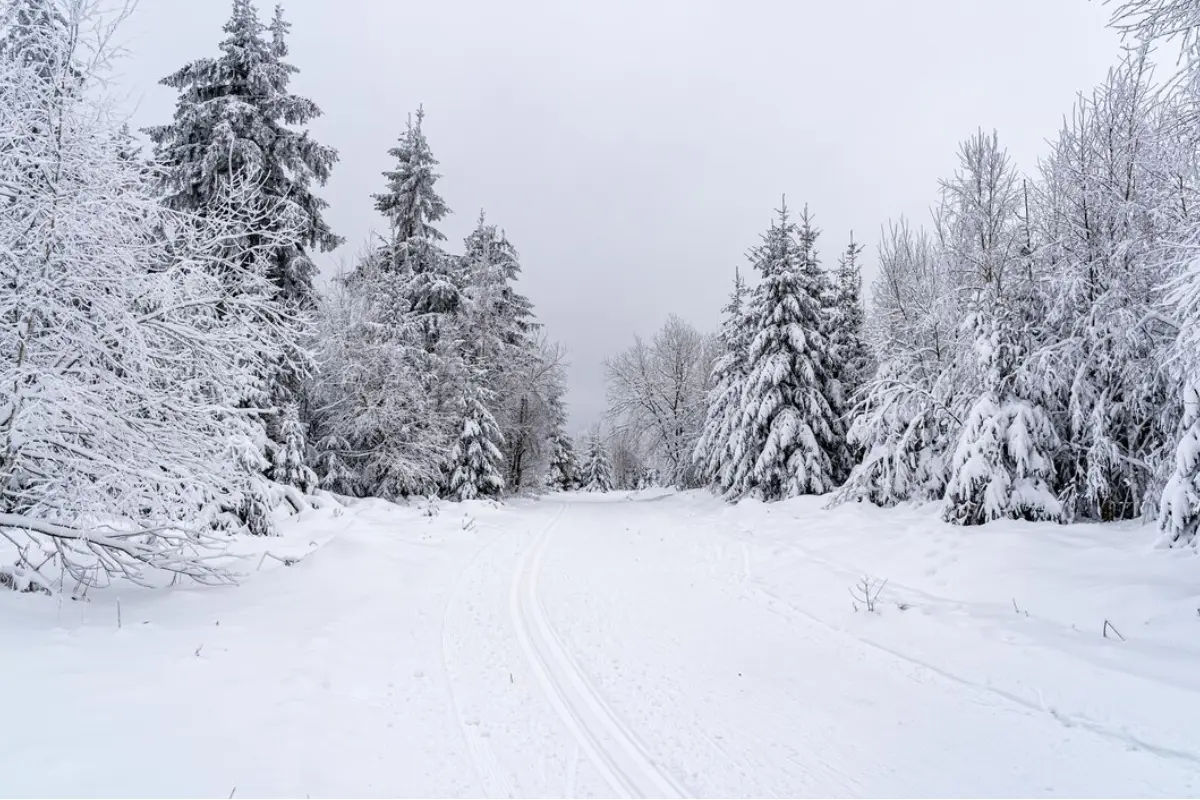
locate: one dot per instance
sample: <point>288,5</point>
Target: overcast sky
<point>634,149</point>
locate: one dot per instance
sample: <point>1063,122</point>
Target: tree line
<point>173,373</point>
<point>1029,353</point>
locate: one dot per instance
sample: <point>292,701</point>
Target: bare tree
<point>533,403</point>
<point>657,394</point>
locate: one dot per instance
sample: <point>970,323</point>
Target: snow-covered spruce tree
<point>850,354</point>
<point>832,385</point>
<point>413,207</point>
<point>289,456</point>
<point>596,475</point>
<point>394,368</point>
<point>475,462</point>
<point>788,434</point>
<point>563,470</point>
<point>235,119</point>
<point>1003,465</point>
<point>714,455</point>
<point>423,283</point>
<point>502,318</point>
<point>124,358</point>
<point>522,371</point>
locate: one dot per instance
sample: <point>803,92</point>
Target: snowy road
<point>648,646</point>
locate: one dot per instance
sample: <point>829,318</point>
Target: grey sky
<point>634,149</point>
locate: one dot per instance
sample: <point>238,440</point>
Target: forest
<point>176,370</point>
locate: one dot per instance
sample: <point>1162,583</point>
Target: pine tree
<point>236,117</point>
<point>476,462</point>
<point>788,434</point>
<point>596,475</point>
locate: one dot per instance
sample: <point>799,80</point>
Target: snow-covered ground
<point>623,645</point>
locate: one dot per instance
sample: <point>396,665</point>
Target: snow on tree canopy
<point>476,462</point>
<point>596,475</point>
<point>235,116</point>
<point>127,360</point>
<point>787,436</point>
<point>714,453</point>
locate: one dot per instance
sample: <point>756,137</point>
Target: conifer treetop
<point>411,203</point>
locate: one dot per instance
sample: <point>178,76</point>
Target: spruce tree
<point>788,435</point>
<point>502,322</point>
<point>289,457</point>
<point>714,455</point>
<point>413,207</point>
<point>827,291</point>
<point>849,347</point>
<point>237,123</point>
<point>851,358</point>
<point>1003,465</point>
<point>411,202</point>
<point>597,469</point>
<point>563,469</point>
<point>498,336</point>
<point>476,462</point>
<point>235,118</point>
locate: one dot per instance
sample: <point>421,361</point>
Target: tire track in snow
<point>609,744</point>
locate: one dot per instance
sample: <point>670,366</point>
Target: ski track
<point>493,780</point>
<point>611,746</point>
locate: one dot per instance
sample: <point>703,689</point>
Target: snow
<point>620,644</point>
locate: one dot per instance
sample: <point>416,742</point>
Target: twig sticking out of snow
<point>287,561</point>
<point>867,592</point>
<point>1107,626</point>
